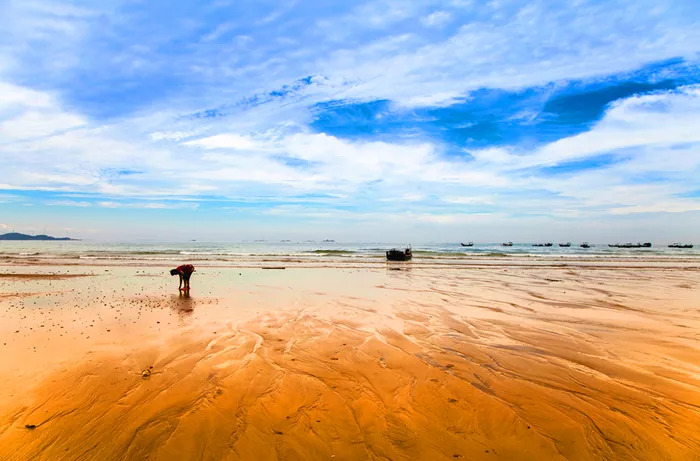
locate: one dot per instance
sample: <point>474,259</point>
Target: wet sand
<point>394,361</point>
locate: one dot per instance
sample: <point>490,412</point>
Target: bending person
<point>185,272</point>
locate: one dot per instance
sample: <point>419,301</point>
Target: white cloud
<point>224,141</point>
<point>219,31</point>
<point>27,114</point>
<point>73,203</point>
<point>437,19</point>
<point>285,161</point>
<point>30,125</point>
<point>513,46</point>
<point>147,205</point>
<point>412,197</point>
<point>172,135</point>
<point>660,119</point>
<point>667,206</point>
<point>17,96</point>
<point>470,200</point>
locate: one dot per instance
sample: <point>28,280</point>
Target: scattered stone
<point>30,426</point>
<point>146,373</point>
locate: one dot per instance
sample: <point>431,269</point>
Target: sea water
<point>237,251</point>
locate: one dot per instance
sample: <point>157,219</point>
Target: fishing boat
<point>631,245</point>
<point>565,245</point>
<point>399,255</point>
<point>548,244</point>
<point>508,244</point>
<point>470,244</point>
<point>585,245</point>
<point>680,245</point>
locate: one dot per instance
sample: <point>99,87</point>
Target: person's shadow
<point>183,304</point>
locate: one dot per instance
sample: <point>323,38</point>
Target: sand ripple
<point>493,363</point>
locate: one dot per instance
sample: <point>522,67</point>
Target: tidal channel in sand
<point>397,361</point>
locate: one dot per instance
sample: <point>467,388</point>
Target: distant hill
<point>18,236</point>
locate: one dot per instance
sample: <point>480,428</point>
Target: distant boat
<point>399,255</point>
<point>565,245</point>
<point>329,241</point>
<point>585,245</point>
<point>680,245</point>
<point>548,244</point>
<point>508,244</point>
<point>538,244</point>
<point>470,244</point>
<point>630,245</point>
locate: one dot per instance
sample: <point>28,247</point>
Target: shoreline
<point>357,262</point>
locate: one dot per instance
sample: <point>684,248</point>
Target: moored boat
<point>680,245</point>
<point>630,245</point>
<point>470,244</point>
<point>508,244</point>
<point>399,255</point>
<point>565,245</point>
<point>585,245</point>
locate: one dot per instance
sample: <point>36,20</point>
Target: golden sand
<point>396,362</point>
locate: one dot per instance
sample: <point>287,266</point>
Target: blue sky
<point>375,121</point>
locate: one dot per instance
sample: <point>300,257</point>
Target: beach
<point>289,357</point>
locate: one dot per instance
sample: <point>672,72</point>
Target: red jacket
<point>185,269</point>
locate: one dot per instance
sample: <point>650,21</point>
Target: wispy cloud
<point>437,19</point>
<point>67,203</point>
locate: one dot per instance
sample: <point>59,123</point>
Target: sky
<point>358,121</point>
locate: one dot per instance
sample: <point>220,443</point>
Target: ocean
<point>234,252</point>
